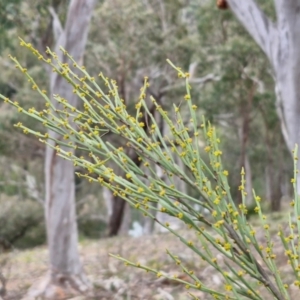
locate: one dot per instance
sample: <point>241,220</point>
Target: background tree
<point>280,41</point>
<point>195,35</point>
<point>136,39</point>
<point>231,81</point>
<point>65,266</point>
<point>236,101</point>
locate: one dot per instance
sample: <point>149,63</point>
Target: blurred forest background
<point>231,82</point>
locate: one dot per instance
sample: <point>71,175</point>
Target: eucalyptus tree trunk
<point>243,133</point>
<point>116,205</point>
<point>65,266</point>
<point>280,41</point>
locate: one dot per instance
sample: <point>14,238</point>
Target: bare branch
<point>57,27</point>
<point>3,285</point>
<point>288,24</point>
<point>200,81</point>
<point>76,28</point>
<point>260,27</point>
<point>163,16</point>
<point>73,38</point>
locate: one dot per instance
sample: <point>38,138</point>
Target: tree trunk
<point>180,185</point>
<point>65,267</point>
<point>280,41</point>
<point>273,187</point>
<point>245,163</point>
<point>243,133</point>
<point>249,186</point>
<point>118,208</point>
<point>126,220</point>
<point>273,178</point>
<point>118,213</point>
<point>118,204</point>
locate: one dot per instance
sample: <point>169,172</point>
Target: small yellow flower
<point>227,246</point>
<point>180,215</point>
<point>187,97</point>
<point>297,283</point>
<point>217,201</point>
<point>225,172</point>
<point>217,164</point>
<point>162,192</point>
<point>207,148</point>
<point>214,213</point>
<point>217,153</point>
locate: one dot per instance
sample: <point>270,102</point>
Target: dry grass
<point>113,280</point>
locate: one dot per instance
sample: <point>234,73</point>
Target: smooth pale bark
<point>126,220</point>
<point>107,197</point>
<point>280,41</point>
<point>65,266</point>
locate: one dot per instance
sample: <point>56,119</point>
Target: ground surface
<point>113,280</point>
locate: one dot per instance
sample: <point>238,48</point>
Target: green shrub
<point>21,223</point>
<point>91,227</point>
<point>250,269</point>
